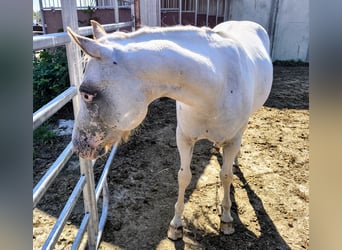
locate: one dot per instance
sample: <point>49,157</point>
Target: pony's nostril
<point>88,92</point>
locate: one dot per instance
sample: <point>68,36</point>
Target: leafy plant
<point>50,75</point>
<point>43,133</point>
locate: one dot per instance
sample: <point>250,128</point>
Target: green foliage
<point>43,133</point>
<point>36,14</point>
<point>50,75</point>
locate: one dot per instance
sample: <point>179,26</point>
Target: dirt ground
<point>270,189</point>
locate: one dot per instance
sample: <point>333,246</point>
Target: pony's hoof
<point>175,233</point>
<point>227,227</point>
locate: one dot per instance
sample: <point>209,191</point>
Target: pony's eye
<point>87,97</point>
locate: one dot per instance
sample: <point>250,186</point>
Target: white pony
<point>218,76</point>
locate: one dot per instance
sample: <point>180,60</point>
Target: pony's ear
<point>92,47</point>
<point>89,46</point>
<point>98,30</point>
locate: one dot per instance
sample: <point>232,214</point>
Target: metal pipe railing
<point>105,171</point>
<point>102,185</point>
<point>59,225</point>
<point>62,38</point>
<point>90,204</point>
<point>79,236</point>
<point>105,207</point>
<point>83,4</point>
<point>196,11</point>
<point>207,14</point>
<point>45,112</point>
<point>45,182</point>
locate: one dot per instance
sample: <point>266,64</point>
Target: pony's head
<point>111,103</point>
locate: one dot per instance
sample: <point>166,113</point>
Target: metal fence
<point>84,4</point>
<point>207,7</point>
<point>86,183</point>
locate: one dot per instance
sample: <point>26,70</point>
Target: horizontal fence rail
<point>59,225</point>
<point>83,227</point>
<point>44,183</point>
<point>45,112</point>
<point>59,39</point>
<point>105,171</point>
<point>85,4</point>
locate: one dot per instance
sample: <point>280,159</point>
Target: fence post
<point>90,205</point>
<point>69,18</point>
<point>116,11</point>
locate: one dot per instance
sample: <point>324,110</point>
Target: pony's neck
<point>166,69</point>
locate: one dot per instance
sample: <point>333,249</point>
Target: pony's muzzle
<point>88,147</point>
<point>88,152</point>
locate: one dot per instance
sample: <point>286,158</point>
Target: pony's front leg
<point>185,148</point>
<point>230,150</point>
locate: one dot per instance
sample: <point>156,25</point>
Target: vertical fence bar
<point>132,15</point>
<point>69,18</point>
<point>180,12</point>
<point>196,11</point>
<point>105,208</point>
<point>217,11</point>
<point>116,11</point>
<point>159,14</point>
<point>207,16</point>
<point>90,202</point>
<point>41,10</point>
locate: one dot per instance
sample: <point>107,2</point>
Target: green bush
<point>43,134</point>
<point>50,75</point>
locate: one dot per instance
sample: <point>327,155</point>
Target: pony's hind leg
<point>185,148</point>
<point>216,149</point>
<point>230,151</point>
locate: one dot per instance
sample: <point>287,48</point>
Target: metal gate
<point>192,12</point>
<point>86,183</point>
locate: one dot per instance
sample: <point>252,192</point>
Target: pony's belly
<point>212,134</point>
<point>217,131</point>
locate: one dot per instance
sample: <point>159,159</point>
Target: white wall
<point>290,31</point>
<point>252,10</point>
<point>291,38</point>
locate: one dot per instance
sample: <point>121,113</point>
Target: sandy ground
<point>270,189</point>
